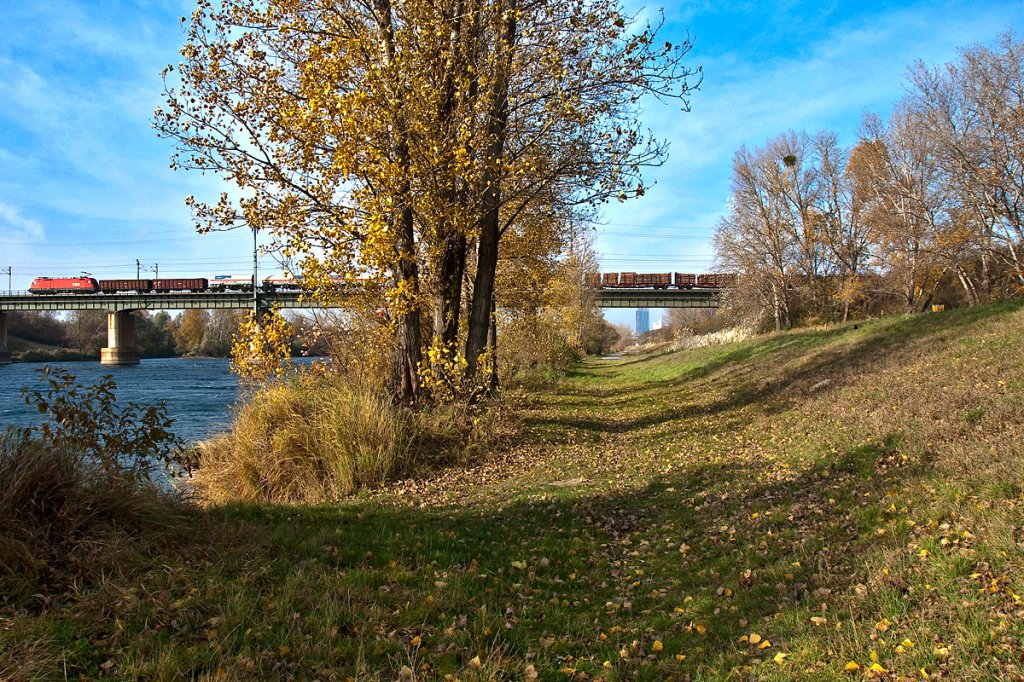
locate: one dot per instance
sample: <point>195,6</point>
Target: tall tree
<point>971,109</point>
<point>911,205</point>
<point>397,141</point>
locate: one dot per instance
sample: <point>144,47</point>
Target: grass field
<point>840,503</point>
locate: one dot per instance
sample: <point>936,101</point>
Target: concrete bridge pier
<point>120,348</point>
<point>5,355</point>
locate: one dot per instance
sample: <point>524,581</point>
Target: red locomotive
<point>64,285</point>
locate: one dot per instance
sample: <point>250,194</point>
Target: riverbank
<point>827,504</point>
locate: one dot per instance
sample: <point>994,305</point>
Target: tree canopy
<point>399,143</point>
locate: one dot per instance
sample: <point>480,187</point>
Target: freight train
<point>662,280</point>
<point>598,280</point>
<point>89,285</point>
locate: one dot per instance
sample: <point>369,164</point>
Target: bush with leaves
<point>261,350</point>
<point>86,421</point>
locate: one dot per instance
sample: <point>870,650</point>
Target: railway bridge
<point>121,348</point>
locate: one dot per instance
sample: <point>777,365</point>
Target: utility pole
<point>138,266</point>
<point>255,297</point>
<point>156,271</point>
<point>10,269</point>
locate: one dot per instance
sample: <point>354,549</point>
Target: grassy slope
<point>774,509</point>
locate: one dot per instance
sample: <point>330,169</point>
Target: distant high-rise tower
<point>643,320</point>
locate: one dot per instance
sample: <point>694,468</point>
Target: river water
<point>199,392</point>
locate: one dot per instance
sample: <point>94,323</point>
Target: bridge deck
<point>658,298</point>
<point>171,301</point>
<point>606,298</point>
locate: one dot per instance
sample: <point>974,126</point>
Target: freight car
<point>685,280</point>
<point>114,286</point>
<point>282,282</point>
<point>716,280</point>
<point>236,282</point>
<point>182,284</point>
<point>660,280</point>
<point>64,285</point>
<point>657,281</point>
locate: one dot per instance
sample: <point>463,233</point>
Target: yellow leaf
<point>701,629</point>
<point>876,668</point>
<point>780,657</point>
<point>680,657</point>
<point>415,641</point>
<point>754,638</point>
<point>882,625</point>
<point>941,652</point>
<point>908,644</point>
<point>606,664</point>
<point>818,620</point>
<point>851,667</point>
<point>657,646</point>
<point>873,655</point>
<point>765,644</point>
<point>475,662</point>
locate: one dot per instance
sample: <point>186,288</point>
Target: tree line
<point>926,208</point>
<point>196,333</point>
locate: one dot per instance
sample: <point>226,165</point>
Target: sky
<point>85,183</point>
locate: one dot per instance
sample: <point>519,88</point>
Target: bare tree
<point>972,109</point>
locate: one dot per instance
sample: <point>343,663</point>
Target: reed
<point>307,440</point>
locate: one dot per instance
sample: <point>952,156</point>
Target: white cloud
<point>16,227</point>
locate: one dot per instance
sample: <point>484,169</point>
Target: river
<point>199,392</point>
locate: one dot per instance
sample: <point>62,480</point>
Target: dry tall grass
<point>687,340</point>
<point>306,440</point>
<point>62,518</point>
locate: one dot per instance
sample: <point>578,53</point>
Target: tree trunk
<point>492,341</point>
<point>489,223</point>
<point>451,269</point>
<point>406,355</point>
<point>448,296</point>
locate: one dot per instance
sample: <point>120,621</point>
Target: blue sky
<point>85,183</point>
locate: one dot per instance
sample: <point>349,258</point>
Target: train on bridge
<point>660,280</point>
<point>89,285</point>
<point>218,283</point>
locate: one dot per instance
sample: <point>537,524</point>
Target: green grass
<point>837,493</point>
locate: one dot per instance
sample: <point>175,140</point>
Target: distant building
<point>643,320</point>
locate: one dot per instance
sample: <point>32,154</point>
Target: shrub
<point>74,487</point>
<point>318,437</point>
<point>305,440</point>
<point>62,518</point>
<point>86,422</point>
